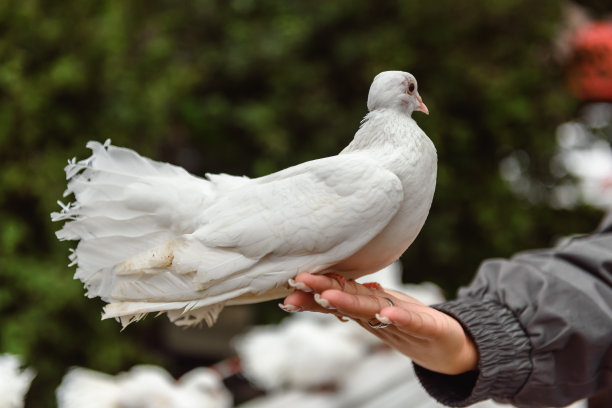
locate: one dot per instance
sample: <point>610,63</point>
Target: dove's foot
<point>339,278</point>
<point>373,285</point>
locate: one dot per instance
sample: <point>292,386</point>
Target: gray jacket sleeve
<point>542,323</point>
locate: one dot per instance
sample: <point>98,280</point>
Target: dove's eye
<point>411,88</point>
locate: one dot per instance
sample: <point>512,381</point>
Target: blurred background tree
<point>250,87</point>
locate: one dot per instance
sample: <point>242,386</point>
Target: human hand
<point>432,339</point>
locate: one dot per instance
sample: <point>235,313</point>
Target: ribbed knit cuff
<point>504,356</point>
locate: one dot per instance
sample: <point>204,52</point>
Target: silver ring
<point>377,324</point>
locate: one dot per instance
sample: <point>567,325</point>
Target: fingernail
<point>299,286</point>
<point>323,302</point>
<point>383,319</point>
<point>290,308</point>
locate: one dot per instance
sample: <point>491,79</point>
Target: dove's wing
<point>320,211</point>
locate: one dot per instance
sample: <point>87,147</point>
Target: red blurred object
<point>589,71</point>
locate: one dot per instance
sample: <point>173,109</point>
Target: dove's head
<point>395,90</point>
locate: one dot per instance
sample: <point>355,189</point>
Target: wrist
<point>503,355</point>
<point>466,357</point>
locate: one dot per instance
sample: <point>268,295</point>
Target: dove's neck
<point>387,131</point>
<point>399,145</point>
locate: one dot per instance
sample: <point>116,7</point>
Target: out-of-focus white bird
<point>304,351</point>
<point>154,238</point>
<point>142,387</point>
<point>592,166</point>
<point>14,381</point>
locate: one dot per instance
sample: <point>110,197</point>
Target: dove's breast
<point>415,163</point>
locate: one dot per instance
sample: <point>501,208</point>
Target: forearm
<point>561,300</point>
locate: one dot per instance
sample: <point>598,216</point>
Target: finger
<point>392,335</point>
<point>320,283</point>
<point>403,298</point>
<point>356,306</point>
<point>416,320</point>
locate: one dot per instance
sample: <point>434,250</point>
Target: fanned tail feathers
<point>124,206</point>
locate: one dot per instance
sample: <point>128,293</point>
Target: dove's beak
<point>422,106</point>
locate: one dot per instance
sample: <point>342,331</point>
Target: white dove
<point>142,387</point>
<point>14,381</point>
<point>154,238</point>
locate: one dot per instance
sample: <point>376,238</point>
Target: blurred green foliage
<point>250,87</point>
